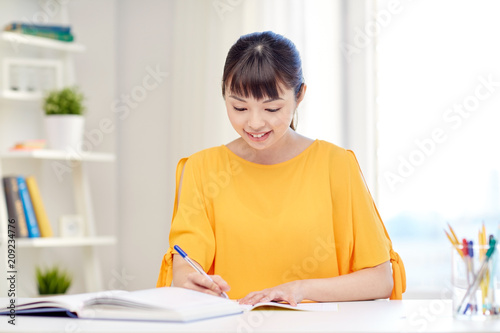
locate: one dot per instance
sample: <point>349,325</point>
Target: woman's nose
<point>256,120</point>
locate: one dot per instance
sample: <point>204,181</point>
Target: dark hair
<point>258,62</point>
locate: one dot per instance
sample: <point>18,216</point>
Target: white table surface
<point>371,316</point>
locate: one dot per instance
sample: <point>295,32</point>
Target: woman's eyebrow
<point>267,101</point>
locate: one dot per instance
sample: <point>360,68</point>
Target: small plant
<point>52,281</point>
<point>66,101</point>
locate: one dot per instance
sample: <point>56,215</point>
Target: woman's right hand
<point>186,277</point>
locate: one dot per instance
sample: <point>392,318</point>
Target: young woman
<point>273,215</point>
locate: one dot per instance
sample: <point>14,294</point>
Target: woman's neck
<point>289,146</point>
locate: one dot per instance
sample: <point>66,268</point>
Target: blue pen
<point>189,261</point>
<point>471,255</point>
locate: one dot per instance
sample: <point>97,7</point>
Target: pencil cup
<point>475,283</point>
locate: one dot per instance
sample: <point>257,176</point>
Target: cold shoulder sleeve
<point>190,228</point>
<point>372,244</point>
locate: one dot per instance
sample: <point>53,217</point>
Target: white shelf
<point>17,38</point>
<point>58,155</point>
<point>64,242</point>
<point>21,95</point>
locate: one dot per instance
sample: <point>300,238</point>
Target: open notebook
<point>161,304</point>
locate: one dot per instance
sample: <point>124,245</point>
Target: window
<point>438,105</point>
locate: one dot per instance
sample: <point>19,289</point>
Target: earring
<point>295,119</point>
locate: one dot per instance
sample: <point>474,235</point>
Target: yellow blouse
<point>259,226</point>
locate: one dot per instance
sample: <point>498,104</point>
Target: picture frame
<point>27,78</point>
<point>71,226</point>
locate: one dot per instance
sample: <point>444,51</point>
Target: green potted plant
<point>64,121</point>
<point>52,281</point>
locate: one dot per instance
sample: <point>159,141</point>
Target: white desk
<point>374,316</point>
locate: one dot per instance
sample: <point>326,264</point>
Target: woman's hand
<point>290,292</point>
<point>198,282</point>
<point>368,283</point>
<point>185,276</point>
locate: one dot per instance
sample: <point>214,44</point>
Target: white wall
<point>94,23</point>
<point>144,33</point>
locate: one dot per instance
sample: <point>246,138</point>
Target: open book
<point>161,304</point>
<point>286,306</point>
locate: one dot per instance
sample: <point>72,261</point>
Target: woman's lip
<point>258,133</point>
<point>262,138</point>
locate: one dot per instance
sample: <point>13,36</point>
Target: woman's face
<point>262,123</point>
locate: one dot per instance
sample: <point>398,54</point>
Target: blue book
<point>31,221</point>
<point>17,26</point>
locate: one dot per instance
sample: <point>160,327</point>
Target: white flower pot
<point>64,132</point>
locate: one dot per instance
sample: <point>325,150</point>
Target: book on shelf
<point>50,35</point>
<point>57,32</point>
<point>29,145</point>
<point>15,210</point>
<point>39,208</point>
<point>13,26</point>
<point>29,212</point>
<point>158,304</point>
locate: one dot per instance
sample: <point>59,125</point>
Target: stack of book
<point>29,145</point>
<point>25,207</point>
<point>57,32</point>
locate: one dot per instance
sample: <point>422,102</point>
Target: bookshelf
<point>65,242</point>
<point>63,66</point>
<point>93,280</point>
<point>49,154</point>
<point>19,39</point>
<point>37,52</point>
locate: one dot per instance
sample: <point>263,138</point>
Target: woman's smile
<point>258,137</point>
